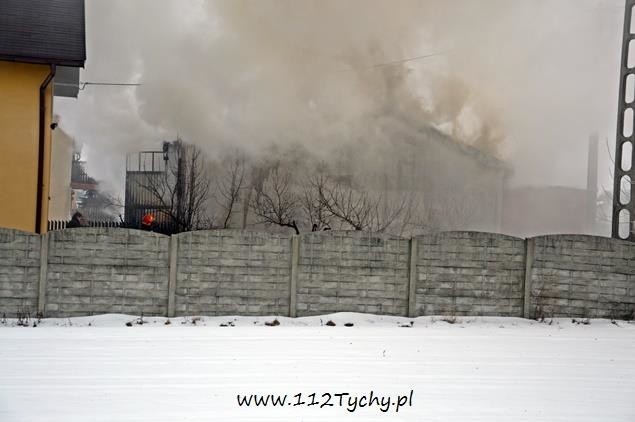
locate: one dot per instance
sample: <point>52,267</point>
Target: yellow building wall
<point>19,128</point>
<point>60,185</point>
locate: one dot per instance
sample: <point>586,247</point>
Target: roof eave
<point>484,158</point>
<point>40,60</point>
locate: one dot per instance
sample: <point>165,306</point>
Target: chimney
<point>592,184</point>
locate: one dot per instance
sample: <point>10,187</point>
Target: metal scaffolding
<point>623,226</point>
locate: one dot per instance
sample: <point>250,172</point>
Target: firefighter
<point>147,222</point>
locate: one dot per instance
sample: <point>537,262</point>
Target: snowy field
<point>474,369</point>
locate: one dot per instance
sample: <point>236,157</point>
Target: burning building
<point>397,179</point>
<point>456,185</point>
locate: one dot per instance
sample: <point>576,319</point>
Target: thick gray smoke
<point>525,80</point>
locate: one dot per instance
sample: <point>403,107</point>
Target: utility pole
<point>623,226</point>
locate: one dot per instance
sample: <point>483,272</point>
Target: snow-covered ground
<point>475,369</point>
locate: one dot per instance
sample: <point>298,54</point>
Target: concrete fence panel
<point>229,272</point>
<point>91,271</point>
<point>470,273</point>
<point>104,270</point>
<point>352,272</point>
<point>583,276</point>
<point>19,272</point>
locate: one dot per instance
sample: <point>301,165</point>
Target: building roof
<point>43,31</point>
<point>417,132</point>
<point>486,159</point>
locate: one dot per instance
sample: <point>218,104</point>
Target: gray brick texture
<point>470,273</point>
<point>352,272</point>
<point>102,270</point>
<point>230,272</point>
<point>19,272</point>
<point>583,276</point>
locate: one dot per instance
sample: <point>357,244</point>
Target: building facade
<point>39,39</point>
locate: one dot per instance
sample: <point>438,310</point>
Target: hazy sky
<point>541,75</point>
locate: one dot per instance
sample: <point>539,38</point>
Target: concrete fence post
<point>412,278</point>
<point>44,255</point>
<point>293,285</point>
<point>174,250</point>
<point>529,263</point>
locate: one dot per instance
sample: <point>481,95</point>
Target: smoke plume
<point>525,81</point>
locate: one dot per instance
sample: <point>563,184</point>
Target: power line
<point>409,59</point>
<point>83,85</point>
<point>396,62</point>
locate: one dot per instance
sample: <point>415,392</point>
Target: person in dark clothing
<point>77,220</point>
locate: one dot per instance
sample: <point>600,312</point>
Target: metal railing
<point>161,227</point>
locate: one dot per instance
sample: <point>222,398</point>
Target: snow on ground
<point>472,369</point>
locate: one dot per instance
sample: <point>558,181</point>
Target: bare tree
<point>229,186</point>
<point>604,201</point>
<point>626,186</point>
<point>181,191</point>
<point>98,205</point>
<point>357,208</point>
<point>315,212</point>
<point>453,213</point>
<point>275,202</point>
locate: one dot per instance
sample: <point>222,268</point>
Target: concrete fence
<point>109,270</point>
